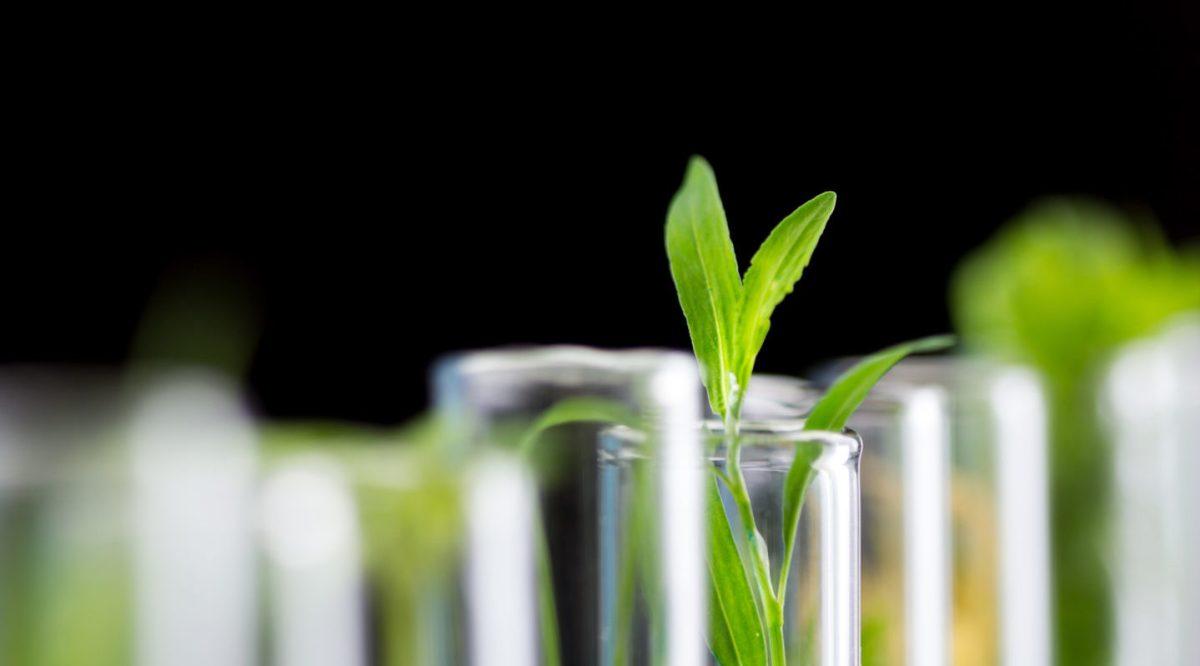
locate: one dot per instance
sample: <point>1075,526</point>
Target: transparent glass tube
<point>820,601</point>
<point>549,407</point>
<point>956,538</point>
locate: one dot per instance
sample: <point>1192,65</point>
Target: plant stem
<point>770,605</point>
<point>775,646</point>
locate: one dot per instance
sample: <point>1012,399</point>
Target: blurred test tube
<point>311,538</point>
<point>377,551</point>
<point>955,515</point>
<point>64,528</point>
<point>125,519</point>
<point>1152,404</point>
<point>491,400</point>
<point>193,455</point>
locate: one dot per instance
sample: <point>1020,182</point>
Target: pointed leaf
<point>705,271</point>
<point>795,485</point>
<point>774,271</point>
<point>831,413</point>
<point>736,635</point>
<point>845,395</point>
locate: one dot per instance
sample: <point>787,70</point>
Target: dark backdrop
<point>385,207</point>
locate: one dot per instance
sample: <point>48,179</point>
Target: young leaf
<point>705,271</point>
<point>795,485</point>
<point>845,395</point>
<point>773,272</point>
<point>831,413</point>
<point>575,410</point>
<point>736,635</point>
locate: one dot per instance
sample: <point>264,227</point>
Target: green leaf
<point>575,410</point>
<point>705,271</point>
<point>845,395</point>
<point>795,485</point>
<point>736,636</point>
<point>547,608</point>
<point>1066,283</point>
<point>720,641</point>
<point>773,272</point>
<point>830,414</point>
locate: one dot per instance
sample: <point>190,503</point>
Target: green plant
<point>1060,288</point>
<point>728,316</point>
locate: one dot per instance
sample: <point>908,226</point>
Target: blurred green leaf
<point>1065,283</point>
<point>202,315</point>
<point>575,410</point>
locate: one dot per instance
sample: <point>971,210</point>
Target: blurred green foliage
<point>1060,288</point>
<point>203,315</point>
<point>1068,281</point>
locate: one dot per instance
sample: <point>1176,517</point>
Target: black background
<point>385,201</point>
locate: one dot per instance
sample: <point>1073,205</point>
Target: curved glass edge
<point>840,448</point>
<point>779,396</point>
<point>535,359</point>
<point>471,387</point>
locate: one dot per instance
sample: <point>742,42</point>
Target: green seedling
<point>728,316</point>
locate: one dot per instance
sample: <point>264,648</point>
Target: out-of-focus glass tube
<point>127,526</point>
<point>549,407</point>
<point>955,516</point>
<point>1152,406</point>
<point>362,532</point>
<point>65,568</point>
<point>312,541</point>
<point>193,455</point>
